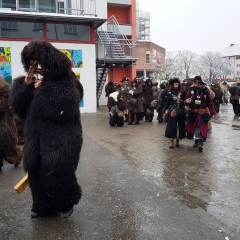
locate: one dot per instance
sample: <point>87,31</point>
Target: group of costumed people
<point>47,100</point>
<point>131,101</point>
<point>186,108</point>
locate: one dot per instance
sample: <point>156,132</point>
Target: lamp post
<point>144,70</point>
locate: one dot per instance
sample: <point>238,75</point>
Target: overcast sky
<point>195,25</point>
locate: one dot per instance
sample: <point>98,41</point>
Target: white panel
<point>101,9</point>
<point>88,72</point>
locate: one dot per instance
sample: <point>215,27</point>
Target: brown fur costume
<point>8,131</point>
<point>53,130</point>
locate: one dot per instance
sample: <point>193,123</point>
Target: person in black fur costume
<point>53,130</point>
<point>9,151</point>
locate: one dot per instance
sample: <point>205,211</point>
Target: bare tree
<point>172,67</point>
<point>188,63</point>
<point>212,65</point>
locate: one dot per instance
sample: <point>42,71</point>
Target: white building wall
<point>101,8</point>
<point>87,72</point>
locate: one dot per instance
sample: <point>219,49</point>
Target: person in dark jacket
<point>201,108</point>
<point>134,103</point>
<point>175,111</point>
<point>125,87</point>
<point>161,102</point>
<point>217,100</point>
<point>235,96</point>
<point>53,130</point>
<point>147,97</point>
<point>8,131</point>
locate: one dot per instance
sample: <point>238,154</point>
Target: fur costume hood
<point>54,63</point>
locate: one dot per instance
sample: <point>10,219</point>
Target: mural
<point>156,56</point>
<point>5,64</point>
<point>79,76</point>
<point>75,57</point>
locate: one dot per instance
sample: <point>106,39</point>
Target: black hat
<point>173,80</point>
<point>198,79</point>
<point>124,79</point>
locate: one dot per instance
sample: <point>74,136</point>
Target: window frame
<point>44,31</point>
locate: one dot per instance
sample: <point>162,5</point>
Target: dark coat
<point>137,107</point>
<point>53,130</point>
<point>148,95</point>
<point>196,118</point>
<point>175,102</point>
<point>8,130</point>
<point>234,97</point>
<point>217,100</point>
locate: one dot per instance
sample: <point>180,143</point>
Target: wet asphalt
<point>135,187</point>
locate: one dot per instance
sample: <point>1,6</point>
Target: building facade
<point>233,54</point>
<point>116,45</point>
<point>68,24</point>
<point>151,59</point>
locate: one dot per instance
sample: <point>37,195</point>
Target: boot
<point>177,143</point>
<point>200,145</point>
<point>171,143</point>
<point>195,145</point>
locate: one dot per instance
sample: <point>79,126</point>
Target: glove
<point>189,100</point>
<point>131,92</point>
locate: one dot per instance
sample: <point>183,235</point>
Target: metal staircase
<point>113,49</point>
<point>101,79</point>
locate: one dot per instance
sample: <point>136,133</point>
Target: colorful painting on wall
<point>5,64</point>
<point>75,57</point>
<point>79,76</point>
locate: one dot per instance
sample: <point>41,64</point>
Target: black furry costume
<point>53,130</point>
<point>8,131</point>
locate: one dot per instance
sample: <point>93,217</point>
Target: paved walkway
<point>136,188</point>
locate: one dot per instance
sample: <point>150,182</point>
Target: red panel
<point>122,14</point>
<point>118,74</point>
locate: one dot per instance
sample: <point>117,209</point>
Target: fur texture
<point>8,130</point>
<point>53,130</point>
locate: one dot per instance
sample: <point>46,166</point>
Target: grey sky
<point>195,25</point>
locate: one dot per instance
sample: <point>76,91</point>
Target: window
<point>238,57</point>
<point>9,4</point>
<point>8,25</point>
<point>38,26</point>
<point>70,29</point>
<point>238,73</point>
<point>147,56</point>
<point>29,4</point>
<point>238,65</point>
<point>61,7</point>
<point>20,29</point>
<point>68,32</point>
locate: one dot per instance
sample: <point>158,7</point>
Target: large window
<point>238,57</point>
<point>68,32</point>
<point>9,25</point>
<point>19,29</point>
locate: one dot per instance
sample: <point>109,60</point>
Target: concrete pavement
<point>135,187</point>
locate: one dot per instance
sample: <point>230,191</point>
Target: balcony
<point>61,10</point>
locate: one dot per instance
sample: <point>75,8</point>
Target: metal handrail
<point>114,20</point>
